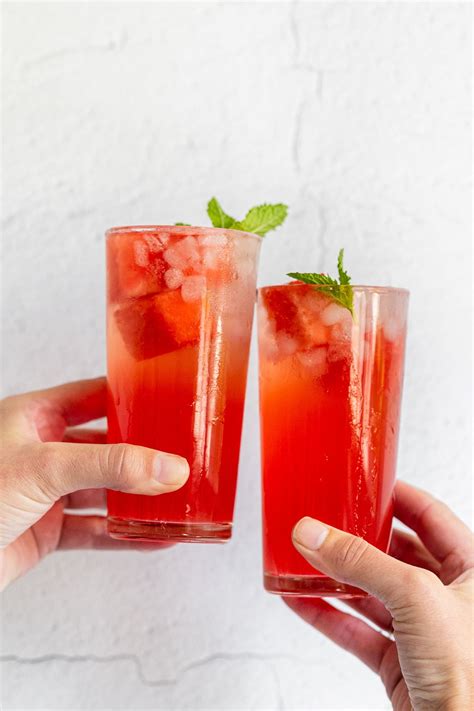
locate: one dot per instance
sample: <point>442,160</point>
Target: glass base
<point>153,531</point>
<point>309,586</point>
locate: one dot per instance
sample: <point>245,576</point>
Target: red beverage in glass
<point>330,394</point>
<point>180,309</point>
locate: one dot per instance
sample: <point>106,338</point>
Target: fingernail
<point>310,533</point>
<point>171,469</point>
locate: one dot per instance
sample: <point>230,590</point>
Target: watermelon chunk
<point>158,324</point>
<point>137,265</point>
<point>296,312</point>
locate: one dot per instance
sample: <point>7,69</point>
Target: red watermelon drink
<point>180,309</point>
<point>330,394</point>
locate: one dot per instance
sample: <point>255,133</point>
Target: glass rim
<point>361,288</point>
<point>183,230</point>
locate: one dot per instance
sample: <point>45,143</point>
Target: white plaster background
<point>358,116</point>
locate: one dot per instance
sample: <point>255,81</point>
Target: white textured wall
<point>355,114</point>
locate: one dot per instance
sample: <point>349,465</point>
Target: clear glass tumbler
<point>180,309</point>
<point>330,395</point>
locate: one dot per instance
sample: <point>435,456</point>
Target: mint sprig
<point>263,218</point>
<point>259,220</point>
<point>339,290</point>
<point>217,215</point>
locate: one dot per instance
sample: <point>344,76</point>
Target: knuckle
<point>419,583</point>
<point>349,552</point>
<point>120,461</point>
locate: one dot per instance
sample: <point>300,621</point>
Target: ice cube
<point>215,251</point>
<point>214,240</point>
<point>188,249</point>
<point>268,346</point>
<point>334,313</point>
<point>342,330</point>
<point>142,255</point>
<point>173,278</point>
<point>314,360</point>
<point>343,340</point>
<point>211,258</point>
<point>156,243</point>
<point>193,288</point>
<point>266,335</point>
<point>174,258</point>
<point>286,344</point>
<point>311,299</point>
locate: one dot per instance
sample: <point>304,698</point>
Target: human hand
<point>48,466</point>
<point>424,595</point>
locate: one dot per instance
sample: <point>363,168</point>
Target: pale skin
<point>423,592</point>
<point>50,470</point>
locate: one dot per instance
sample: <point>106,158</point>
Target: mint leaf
<point>259,220</point>
<point>182,224</point>
<point>217,215</point>
<point>310,278</point>
<point>263,218</point>
<point>340,291</point>
<point>344,277</point>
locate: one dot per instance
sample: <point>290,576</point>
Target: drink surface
<point>330,392</point>
<point>180,307</point>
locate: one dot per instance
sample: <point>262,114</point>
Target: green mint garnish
<point>263,218</point>
<point>217,215</point>
<point>340,291</point>
<point>182,224</point>
<point>259,220</point>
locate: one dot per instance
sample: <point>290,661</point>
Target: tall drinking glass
<point>330,394</point>
<point>180,308</point>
